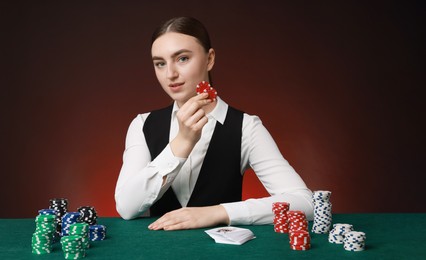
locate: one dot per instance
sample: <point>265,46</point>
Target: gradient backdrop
<point>339,86</point>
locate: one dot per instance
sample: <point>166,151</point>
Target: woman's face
<point>180,63</point>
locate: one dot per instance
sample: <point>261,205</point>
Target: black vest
<point>220,178</point>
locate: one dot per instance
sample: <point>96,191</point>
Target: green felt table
<point>389,236</point>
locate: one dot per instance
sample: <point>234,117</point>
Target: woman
<point>185,162</point>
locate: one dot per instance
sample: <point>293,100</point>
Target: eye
<point>183,59</point>
<point>159,64</point>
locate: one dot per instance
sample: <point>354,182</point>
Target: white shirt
<point>140,182</point>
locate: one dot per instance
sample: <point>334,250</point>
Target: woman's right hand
<point>191,118</point>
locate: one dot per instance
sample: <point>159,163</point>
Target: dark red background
<point>339,86</point>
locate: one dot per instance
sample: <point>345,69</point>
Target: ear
<point>210,59</point>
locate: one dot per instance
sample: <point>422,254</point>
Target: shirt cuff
<point>167,164</point>
<point>238,213</point>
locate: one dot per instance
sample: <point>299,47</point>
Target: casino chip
<point>280,210</point>
<point>76,228</point>
<point>297,221</point>
<point>97,232</point>
<point>60,206</point>
<point>322,212</point>
<point>80,229</point>
<point>354,241</point>
<point>337,234</point>
<point>73,247</point>
<point>205,87</point>
<point>300,240</point>
<point>88,214</point>
<point>298,230</point>
<point>67,220</point>
<point>294,223</point>
<point>43,236</point>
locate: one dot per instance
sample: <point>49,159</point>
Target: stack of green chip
<point>81,229</point>
<point>43,236</point>
<point>73,247</point>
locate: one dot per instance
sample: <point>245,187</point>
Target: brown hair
<point>185,25</point>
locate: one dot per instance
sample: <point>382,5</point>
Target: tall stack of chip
<point>68,219</point>
<point>97,232</point>
<point>354,241</point>
<point>73,247</point>
<point>60,206</point>
<point>88,214</point>
<point>80,229</point>
<point>280,210</point>
<point>300,240</point>
<point>297,221</point>
<point>322,212</point>
<point>43,236</point>
<point>337,234</point>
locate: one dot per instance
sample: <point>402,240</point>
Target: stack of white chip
<point>322,212</point>
<point>354,241</point>
<point>337,234</point>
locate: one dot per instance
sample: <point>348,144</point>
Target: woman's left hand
<point>188,218</point>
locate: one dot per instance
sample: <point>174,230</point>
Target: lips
<point>175,85</point>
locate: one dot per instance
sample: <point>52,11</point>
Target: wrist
<point>181,147</point>
<point>221,215</point>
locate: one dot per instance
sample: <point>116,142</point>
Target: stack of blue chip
<point>97,232</point>
<point>46,212</point>
<point>68,219</point>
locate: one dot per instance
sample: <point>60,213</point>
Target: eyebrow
<point>177,53</point>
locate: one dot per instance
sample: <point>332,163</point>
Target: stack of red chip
<point>297,220</point>
<point>298,230</point>
<point>300,240</point>
<point>280,210</point>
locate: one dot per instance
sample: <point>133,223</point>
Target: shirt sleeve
<point>260,152</point>
<point>140,182</point>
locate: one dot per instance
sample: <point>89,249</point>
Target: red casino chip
<point>280,208</point>
<point>205,87</point>
<point>297,224</point>
<point>281,205</point>
<point>303,248</point>
<point>300,233</point>
<point>300,241</point>
<point>281,229</point>
<point>296,214</point>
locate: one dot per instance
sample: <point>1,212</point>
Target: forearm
<point>137,194</point>
<point>137,189</point>
<point>259,211</point>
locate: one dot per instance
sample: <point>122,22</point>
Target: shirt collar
<point>218,113</point>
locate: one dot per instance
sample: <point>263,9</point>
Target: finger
<point>201,96</point>
<point>203,99</point>
<point>200,124</point>
<point>195,118</point>
<point>178,226</point>
<point>195,103</point>
<point>167,219</point>
<point>170,224</point>
<point>158,223</point>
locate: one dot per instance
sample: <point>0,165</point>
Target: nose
<point>172,72</point>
